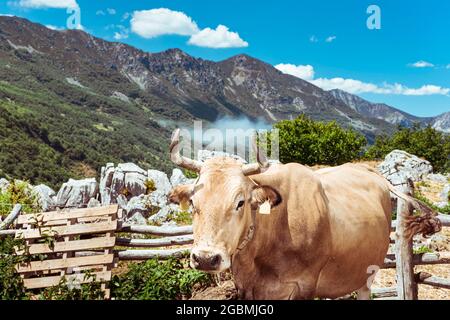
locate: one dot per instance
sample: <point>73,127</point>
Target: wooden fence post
<point>406,286</point>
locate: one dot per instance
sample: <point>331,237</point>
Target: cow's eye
<point>240,204</point>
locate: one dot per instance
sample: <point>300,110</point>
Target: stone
<point>76,193</point>
<point>163,214</point>
<point>93,203</point>
<point>437,177</point>
<point>45,197</point>
<point>402,169</point>
<point>127,179</point>
<point>3,185</point>
<point>445,194</point>
<point>178,178</point>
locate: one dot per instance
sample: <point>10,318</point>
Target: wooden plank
<point>151,254</point>
<point>72,230</point>
<point>63,263</point>
<point>428,279</point>
<point>74,245</point>
<point>420,259</point>
<point>6,233</point>
<point>35,283</point>
<point>154,243</point>
<point>406,286</point>
<point>11,217</point>
<point>384,292</point>
<point>157,231</point>
<point>97,219</point>
<point>71,214</point>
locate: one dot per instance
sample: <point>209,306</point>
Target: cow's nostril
<point>215,260</point>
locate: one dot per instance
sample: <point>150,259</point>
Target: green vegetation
<point>422,249</point>
<point>308,142</point>
<point>18,192</point>
<point>11,284</point>
<point>157,280</point>
<point>421,197</point>
<point>427,143</point>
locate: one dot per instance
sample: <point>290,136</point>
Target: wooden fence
<point>175,241</point>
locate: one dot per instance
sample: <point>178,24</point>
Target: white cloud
<point>221,37</point>
<point>100,13</point>
<point>58,4</point>
<point>448,66</point>
<point>158,22</point>
<point>305,72</point>
<point>313,39</point>
<point>120,35</point>
<point>422,64</point>
<point>125,16</point>
<point>330,39</point>
<point>111,11</point>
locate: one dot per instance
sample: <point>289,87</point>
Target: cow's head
<point>224,201</point>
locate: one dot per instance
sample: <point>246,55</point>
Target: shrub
<point>18,192</point>
<point>157,280</point>
<point>426,142</point>
<point>11,284</point>
<point>309,142</point>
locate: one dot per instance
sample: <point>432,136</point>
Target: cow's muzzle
<point>209,260</point>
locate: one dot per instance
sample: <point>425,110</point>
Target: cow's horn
<point>262,162</point>
<point>178,159</point>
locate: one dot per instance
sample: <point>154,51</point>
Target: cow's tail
<point>422,220</point>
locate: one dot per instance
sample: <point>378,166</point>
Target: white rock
<point>178,178</point>
<point>161,181</point>
<point>163,214</point>
<point>437,177</point>
<point>399,167</point>
<point>45,196</point>
<point>127,179</point>
<point>445,194</point>
<point>76,193</point>
<point>93,203</point>
<point>3,185</point>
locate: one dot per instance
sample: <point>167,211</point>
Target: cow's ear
<point>262,194</point>
<point>181,194</point>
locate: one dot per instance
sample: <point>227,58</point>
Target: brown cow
<point>326,230</point>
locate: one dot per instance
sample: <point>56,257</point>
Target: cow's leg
<point>363,293</point>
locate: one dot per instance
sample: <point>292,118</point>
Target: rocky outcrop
<point>126,180</point>
<point>403,169</point>
<point>76,193</point>
<point>46,197</point>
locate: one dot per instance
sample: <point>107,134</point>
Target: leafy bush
<point>63,291</point>
<point>157,280</point>
<point>18,192</point>
<point>309,142</point>
<point>421,197</point>
<point>427,143</point>
<point>11,284</point>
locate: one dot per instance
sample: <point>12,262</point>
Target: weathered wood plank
<point>72,230</point>
<point>406,286</point>
<point>36,283</point>
<point>384,292</point>
<point>15,212</point>
<point>74,245</point>
<point>154,243</point>
<point>157,231</point>
<point>71,214</point>
<point>428,279</point>
<point>63,263</point>
<point>420,259</point>
<point>150,254</point>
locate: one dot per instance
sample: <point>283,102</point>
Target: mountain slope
<point>71,102</point>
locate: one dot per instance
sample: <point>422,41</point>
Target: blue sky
<point>406,63</point>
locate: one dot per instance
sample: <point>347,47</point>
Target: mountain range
<point>83,101</point>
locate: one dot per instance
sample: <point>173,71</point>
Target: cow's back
<point>360,217</point>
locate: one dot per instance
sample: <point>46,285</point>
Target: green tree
<point>426,142</point>
<point>309,142</point>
